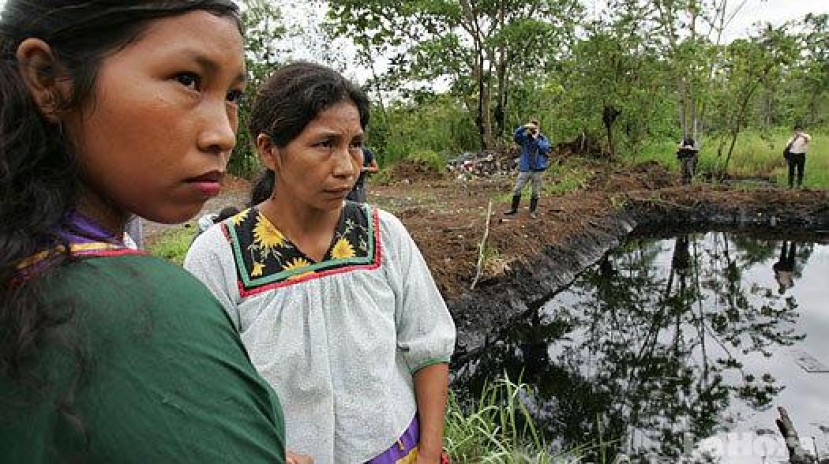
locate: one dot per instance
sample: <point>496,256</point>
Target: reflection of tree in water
<point>644,354</point>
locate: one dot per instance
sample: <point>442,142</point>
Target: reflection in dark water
<point>784,267</point>
<point>666,342</point>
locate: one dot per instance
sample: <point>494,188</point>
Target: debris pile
<point>482,164</point>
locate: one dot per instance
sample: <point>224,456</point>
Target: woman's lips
<point>341,192</point>
<point>209,189</point>
<point>209,184</point>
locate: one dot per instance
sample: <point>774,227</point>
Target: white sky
<point>775,12</point>
<point>751,12</point>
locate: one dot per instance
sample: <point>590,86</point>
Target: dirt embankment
<point>527,260</point>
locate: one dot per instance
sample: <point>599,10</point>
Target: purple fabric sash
<point>402,448</point>
<point>81,229</point>
<point>85,236</point>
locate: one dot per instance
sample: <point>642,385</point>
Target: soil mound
<point>409,171</point>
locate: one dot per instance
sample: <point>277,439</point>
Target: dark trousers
<point>797,161</point>
<point>689,168</point>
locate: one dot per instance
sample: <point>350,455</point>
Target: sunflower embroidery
<point>257,269</point>
<point>265,236</point>
<point>239,218</point>
<point>342,249</point>
<point>266,257</point>
<point>296,263</point>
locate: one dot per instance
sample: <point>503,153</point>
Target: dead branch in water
<point>797,455</point>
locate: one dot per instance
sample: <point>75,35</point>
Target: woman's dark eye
<point>188,80</point>
<point>235,96</point>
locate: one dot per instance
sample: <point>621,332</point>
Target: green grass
<point>566,177</point>
<point>430,158</point>
<point>570,175</point>
<point>756,155</point>
<point>498,428</point>
<point>172,244</point>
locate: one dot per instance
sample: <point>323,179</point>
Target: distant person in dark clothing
<point>784,267</point>
<point>358,193</point>
<point>796,147</point>
<point>687,155</point>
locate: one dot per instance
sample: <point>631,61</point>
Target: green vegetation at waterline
<point>756,155</point>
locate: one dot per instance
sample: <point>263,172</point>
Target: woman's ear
<point>267,151</point>
<point>39,69</point>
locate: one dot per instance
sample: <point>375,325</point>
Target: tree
<point>263,26</point>
<point>748,65</point>
<point>814,68</point>
<point>479,46</point>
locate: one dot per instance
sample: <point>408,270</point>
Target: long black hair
<point>292,97</point>
<point>39,178</point>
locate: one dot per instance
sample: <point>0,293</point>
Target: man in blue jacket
<point>533,162</point>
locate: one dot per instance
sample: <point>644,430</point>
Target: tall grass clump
<point>498,428</point>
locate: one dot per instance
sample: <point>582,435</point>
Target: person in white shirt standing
<point>797,146</point>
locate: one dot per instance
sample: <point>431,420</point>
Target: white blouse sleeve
<point>425,330</point>
<point>210,259</point>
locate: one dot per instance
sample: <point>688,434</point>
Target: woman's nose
<point>219,131</point>
<point>346,164</point>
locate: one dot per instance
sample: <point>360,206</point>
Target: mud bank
<point>530,283</point>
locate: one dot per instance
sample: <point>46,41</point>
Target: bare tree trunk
<point>487,113</point>
<point>503,85</point>
<point>735,129</point>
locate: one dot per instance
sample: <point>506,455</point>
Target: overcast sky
<point>749,12</point>
<point>752,11</point>
<point>773,11</point>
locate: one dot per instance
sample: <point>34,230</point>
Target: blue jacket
<point>533,150</point>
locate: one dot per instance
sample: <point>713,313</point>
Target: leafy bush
<point>567,177</point>
<point>430,158</point>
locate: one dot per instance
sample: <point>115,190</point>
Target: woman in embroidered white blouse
<point>332,299</point>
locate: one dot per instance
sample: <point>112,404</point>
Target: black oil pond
<point>678,347</point>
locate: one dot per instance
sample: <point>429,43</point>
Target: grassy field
<point>755,155</point>
<point>172,244</point>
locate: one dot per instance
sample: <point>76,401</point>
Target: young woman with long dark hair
<point>108,109</point>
